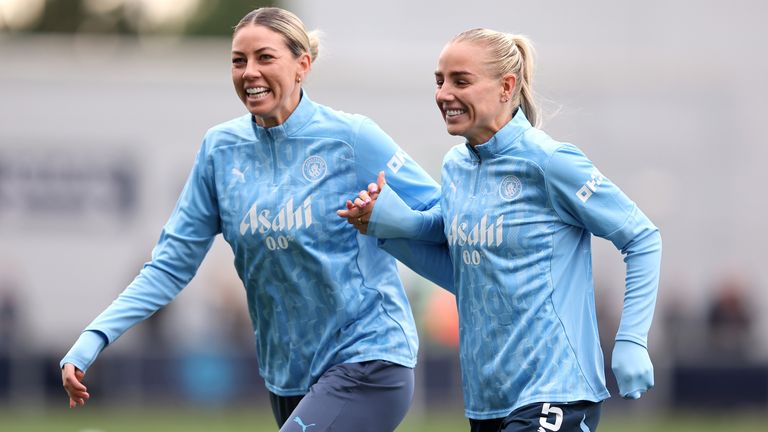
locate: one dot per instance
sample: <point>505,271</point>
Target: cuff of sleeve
<point>632,338</point>
<point>85,350</point>
<point>392,217</point>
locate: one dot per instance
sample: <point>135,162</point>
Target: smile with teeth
<point>257,92</point>
<point>454,112</point>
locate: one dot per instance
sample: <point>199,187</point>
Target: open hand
<point>72,379</point>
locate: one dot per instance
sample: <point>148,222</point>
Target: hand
<point>358,213</point>
<point>632,368</point>
<point>71,378</point>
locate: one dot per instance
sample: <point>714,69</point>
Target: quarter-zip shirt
<point>319,293</point>
<point>516,218</point>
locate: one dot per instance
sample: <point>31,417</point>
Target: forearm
<point>643,261</point>
<point>393,218</point>
<point>174,263</point>
<point>85,350</point>
<point>430,260</point>
<point>136,303</point>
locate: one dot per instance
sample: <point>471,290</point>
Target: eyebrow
<point>454,73</point>
<point>256,51</point>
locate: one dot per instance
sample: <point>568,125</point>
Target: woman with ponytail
<point>511,238</point>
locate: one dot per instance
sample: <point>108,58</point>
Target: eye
<point>238,61</point>
<point>439,83</point>
<point>266,57</point>
<point>462,83</point>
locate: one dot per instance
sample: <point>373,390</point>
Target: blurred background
<point>103,105</point>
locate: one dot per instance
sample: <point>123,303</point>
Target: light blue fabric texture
<point>319,293</point>
<point>518,214</point>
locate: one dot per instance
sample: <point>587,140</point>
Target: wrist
<point>85,350</point>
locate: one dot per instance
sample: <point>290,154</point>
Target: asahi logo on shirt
<point>284,219</point>
<point>481,234</point>
<point>471,240</point>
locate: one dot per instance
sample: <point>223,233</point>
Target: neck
<point>280,117</point>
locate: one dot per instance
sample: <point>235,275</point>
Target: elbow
<point>647,241</point>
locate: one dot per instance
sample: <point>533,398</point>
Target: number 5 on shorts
<point>547,409</point>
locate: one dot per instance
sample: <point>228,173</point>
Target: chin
<point>258,112</point>
<point>454,131</point>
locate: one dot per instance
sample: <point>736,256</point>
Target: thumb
<point>381,180</point>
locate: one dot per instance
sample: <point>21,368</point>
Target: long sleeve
<point>583,197</point>
<point>393,218</point>
<point>430,260</point>
<point>411,201</point>
<point>85,350</point>
<point>413,237</point>
<point>183,243</point>
<point>640,242</point>
<point>376,150</point>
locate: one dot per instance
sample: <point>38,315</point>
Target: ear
<point>508,84</point>
<point>305,65</point>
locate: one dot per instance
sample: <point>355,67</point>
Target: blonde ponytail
<point>530,108</point>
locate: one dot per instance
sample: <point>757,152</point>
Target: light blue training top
<point>513,229</point>
<point>319,293</point>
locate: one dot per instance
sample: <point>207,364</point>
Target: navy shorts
<point>581,416</point>
<point>371,396</point>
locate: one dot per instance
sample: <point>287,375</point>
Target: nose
<point>251,71</point>
<point>443,94</point>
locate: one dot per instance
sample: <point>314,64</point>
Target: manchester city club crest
<point>314,168</point>
<point>510,188</point>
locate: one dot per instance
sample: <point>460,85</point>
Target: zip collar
<point>503,139</point>
<point>303,113</point>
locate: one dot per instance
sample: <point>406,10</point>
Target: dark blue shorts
<point>371,396</point>
<point>581,416</point>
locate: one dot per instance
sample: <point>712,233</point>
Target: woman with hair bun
<point>335,337</point>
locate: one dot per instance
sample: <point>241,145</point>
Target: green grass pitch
<point>99,419</point>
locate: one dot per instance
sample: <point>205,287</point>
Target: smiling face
<point>266,75</point>
<point>473,102</point>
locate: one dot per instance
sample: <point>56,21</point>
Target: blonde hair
<point>509,54</point>
<point>287,24</point>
